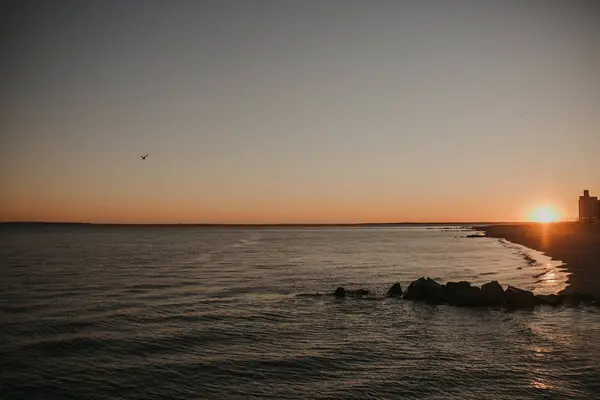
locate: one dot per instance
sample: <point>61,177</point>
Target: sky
<point>297,111</point>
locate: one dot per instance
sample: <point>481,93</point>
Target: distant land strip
<point>266,225</point>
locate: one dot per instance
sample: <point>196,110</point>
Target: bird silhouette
<point>144,157</point>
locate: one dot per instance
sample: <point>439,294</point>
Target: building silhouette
<point>589,208</point>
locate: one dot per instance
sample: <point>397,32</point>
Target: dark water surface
<point>96,312</point>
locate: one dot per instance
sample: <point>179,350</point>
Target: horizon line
<point>284,224</point>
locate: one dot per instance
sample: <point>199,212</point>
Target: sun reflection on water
<point>540,383</point>
<point>551,278</point>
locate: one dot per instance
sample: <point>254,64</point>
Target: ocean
<point>109,312</point>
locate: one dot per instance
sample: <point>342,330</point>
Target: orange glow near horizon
<point>545,213</point>
<point>146,206</point>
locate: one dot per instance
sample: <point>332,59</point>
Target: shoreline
<point>576,246</point>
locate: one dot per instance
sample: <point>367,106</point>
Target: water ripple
<point>167,313</point>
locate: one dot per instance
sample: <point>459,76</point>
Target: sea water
<point>100,312</point>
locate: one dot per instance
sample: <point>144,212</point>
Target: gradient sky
<point>297,111</point>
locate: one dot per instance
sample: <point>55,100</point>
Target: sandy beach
<point>577,246</point>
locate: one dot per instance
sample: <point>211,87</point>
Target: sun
<point>546,213</point>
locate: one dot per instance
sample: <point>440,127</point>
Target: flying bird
<point>144,157</point>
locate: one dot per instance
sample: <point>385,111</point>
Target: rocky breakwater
<point>464,294</point>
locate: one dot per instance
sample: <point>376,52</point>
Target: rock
<point>553,300</point>
<point>458,286</point>
<point>492,293</point>
<point>519,298</point>
<point>588,298</point>
<point>395,290</point>
<point>427,290</point>
<point>416,290</point>
<point>462,294</point>
<point>574,299</point>
<point>492,289</point>
<point>340,292</point>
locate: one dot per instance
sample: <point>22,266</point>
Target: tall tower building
<point>589,208</point>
